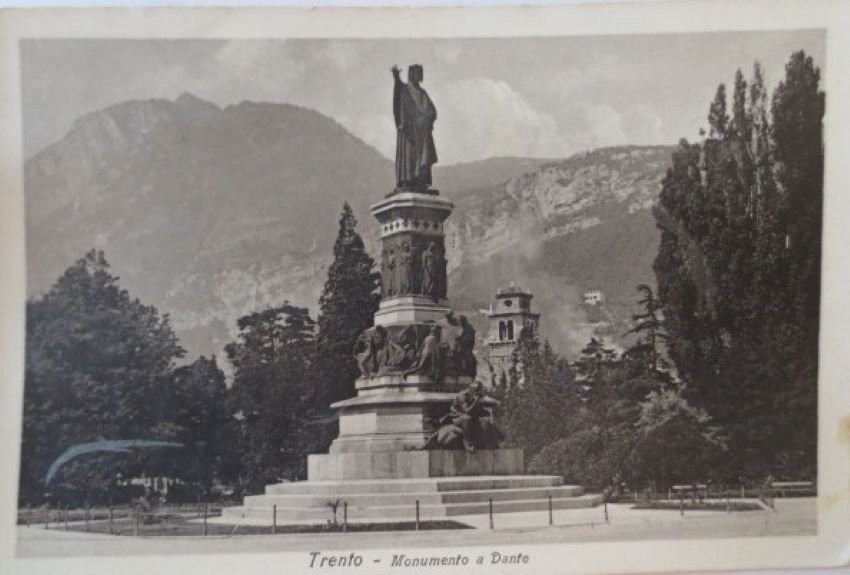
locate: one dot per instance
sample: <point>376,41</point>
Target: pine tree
<point>347,305</point>
<point>648,322</point>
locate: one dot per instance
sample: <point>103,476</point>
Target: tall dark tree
<point>718,117</point>
<point>271,359</point>
<point>797,113</point>
<point>98,365</point>
<point>347,305</point>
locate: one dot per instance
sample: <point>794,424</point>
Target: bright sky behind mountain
<point>540,97</point>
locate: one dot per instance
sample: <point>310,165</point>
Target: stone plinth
<point>407,309</point>
<point>394,413</point>
<point>414,464</point>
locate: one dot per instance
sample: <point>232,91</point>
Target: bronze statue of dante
<point>414,119</point>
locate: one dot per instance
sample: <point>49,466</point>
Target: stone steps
<point>410,498</point>
<point>439,498</point>
<point>408,512</point>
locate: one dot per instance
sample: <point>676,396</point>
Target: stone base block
<point>414,464</point>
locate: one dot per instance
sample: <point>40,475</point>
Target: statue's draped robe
<point>415,152</point>
<point>429,273</point>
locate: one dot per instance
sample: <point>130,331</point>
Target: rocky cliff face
<point>210,213</point>
<point>565,228</point>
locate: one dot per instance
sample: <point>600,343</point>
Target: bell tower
<point>510,312</point>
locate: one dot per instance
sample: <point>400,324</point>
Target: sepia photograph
<point>429,300</point>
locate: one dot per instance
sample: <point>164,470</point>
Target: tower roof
<point>513,290</point>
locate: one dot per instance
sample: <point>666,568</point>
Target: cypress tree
<point>347,306</point>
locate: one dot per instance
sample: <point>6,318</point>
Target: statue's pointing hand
<point>395,71</point>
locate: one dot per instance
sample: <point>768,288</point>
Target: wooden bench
<point>784,487</point>
<point>695,491</point>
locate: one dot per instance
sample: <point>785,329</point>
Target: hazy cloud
<point>482,117</point>
<point>543,97</point>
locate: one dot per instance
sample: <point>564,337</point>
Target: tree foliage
<point>543,403</point>
<point>738,269</point>
<point>269,396</point>
<point>630,423</point>
<point>98,366</point>
<point>197,409</point>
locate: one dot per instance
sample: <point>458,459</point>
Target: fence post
<point>86,512</point>
<point>491,513</point>
<point>728,504</point>
<point>550,511</point>
<point>344,516</point>
<point>29,515</point>
<point>669,494</point>
<point>136,522</point>
<point>206,513</point>
<point>605,507</point>
<point>47,517</point>
<point>110,520</point>
<point>66,517</point>
<point>681,505</point>
<point>743,495</point>
<point>274,519</point>
<point>417,515</point>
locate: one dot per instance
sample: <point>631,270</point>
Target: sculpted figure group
<point>431,349</point>
<point>407,271</point>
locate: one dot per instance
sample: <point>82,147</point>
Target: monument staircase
<point>415,362</point>
<point>395,499</point>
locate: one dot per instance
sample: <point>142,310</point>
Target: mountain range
<point>210,213</point>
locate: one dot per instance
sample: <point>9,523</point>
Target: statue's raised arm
<point>414,114</point>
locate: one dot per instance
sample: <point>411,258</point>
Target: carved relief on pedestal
<point>433,349</point>
<point>413,264</point>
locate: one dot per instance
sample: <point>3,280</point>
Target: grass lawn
<point>177,525</point>
<point>699,506</point>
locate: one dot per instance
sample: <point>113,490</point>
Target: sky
<point>535,97</point>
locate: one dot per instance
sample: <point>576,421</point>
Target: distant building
<point>594,297</point>
<point>510,312</point>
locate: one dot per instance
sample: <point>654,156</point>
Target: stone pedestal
<point>400,400</point>
<point>393,412</point>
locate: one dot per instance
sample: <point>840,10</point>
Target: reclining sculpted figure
<point>468,424</point>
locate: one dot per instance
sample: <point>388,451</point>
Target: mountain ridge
<point>212,212</point>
